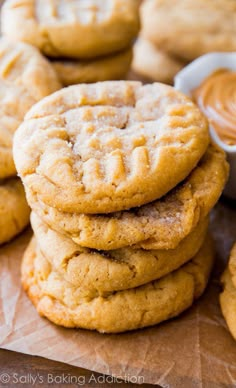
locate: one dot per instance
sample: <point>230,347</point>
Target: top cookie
<point>190,28</point>
<point>109,146</point>
<point>72,28</point>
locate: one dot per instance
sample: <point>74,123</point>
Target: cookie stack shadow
<point>85,41</point>
<point>121,193</point>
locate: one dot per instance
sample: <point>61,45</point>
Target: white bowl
<point>190,78</point>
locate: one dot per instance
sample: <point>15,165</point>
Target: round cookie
<point>14,210</point>
<point>15,101</point>
<point>109,146</point>
<point>154,64</point>
<point>154,302</point>
<point>232,265</point>
<point>112,67</point>
<point>23,65</point>
<point>228,301</point>
<point>74,28</point>
<point>26,77</point>
<point>158,225</point>
<point>190,28</point>
<point>106,271</point>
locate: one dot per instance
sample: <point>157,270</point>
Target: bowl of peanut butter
<point>210,81</point>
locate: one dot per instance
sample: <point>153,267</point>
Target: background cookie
<point>147,305</point>
<point>112,67</point>
<point>14,210</point>
<point>99,272</point>
<point>190,28</point>
<point>15,101</point>
<point>154,64</point>
<point>23,65</point>
<point>159,225</point>
<point>232,264</point>
<point>25,78</point>
<point>122,144</point>
<point>228,302</point>
<point>72,28</point>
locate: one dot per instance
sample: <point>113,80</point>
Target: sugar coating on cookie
<point>109,146</point>
<point>72,28</point>
<point>14,210</point>
<point>99,272</point>
<point>110,67</point>
<point>161,224</point>
<point>190,28</point>
<point>154,302</point>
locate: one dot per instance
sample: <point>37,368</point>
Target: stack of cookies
<point>228,296</point>
<point>25,78</point>
<point>121,178</point>
<point>87,41</point>
<point>177,32</point>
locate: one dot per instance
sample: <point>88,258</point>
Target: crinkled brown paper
<point>194,350</point>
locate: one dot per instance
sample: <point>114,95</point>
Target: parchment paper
<point>194,350</point>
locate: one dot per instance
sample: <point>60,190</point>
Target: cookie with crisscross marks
<point>161,224</point>
<point>109,146</point>
<point>23,65</point>
<point>72,28</point>
<point>25,77</point>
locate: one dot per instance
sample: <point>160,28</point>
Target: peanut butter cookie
<point>25,78</point>
<point>228,301</point>
<point>112,67</point>
<point>23,65</point>
<point>106,271</point>
<point>15,101</point>
<point>14,210</point>
<point>159,225</point>
<point>110,146</point>
<point>72,28</point>
<point>190,28</point>
<point>154,64</point>
<point>154,302</point>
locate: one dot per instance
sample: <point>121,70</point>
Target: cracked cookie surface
<point>161,224</point>
<point>154,302</point>
<point>72,28</point>
<point>109,146</point>
<point>14,210</point>
<point>104,271</point>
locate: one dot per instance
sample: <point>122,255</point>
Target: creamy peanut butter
<point>216,97</point>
